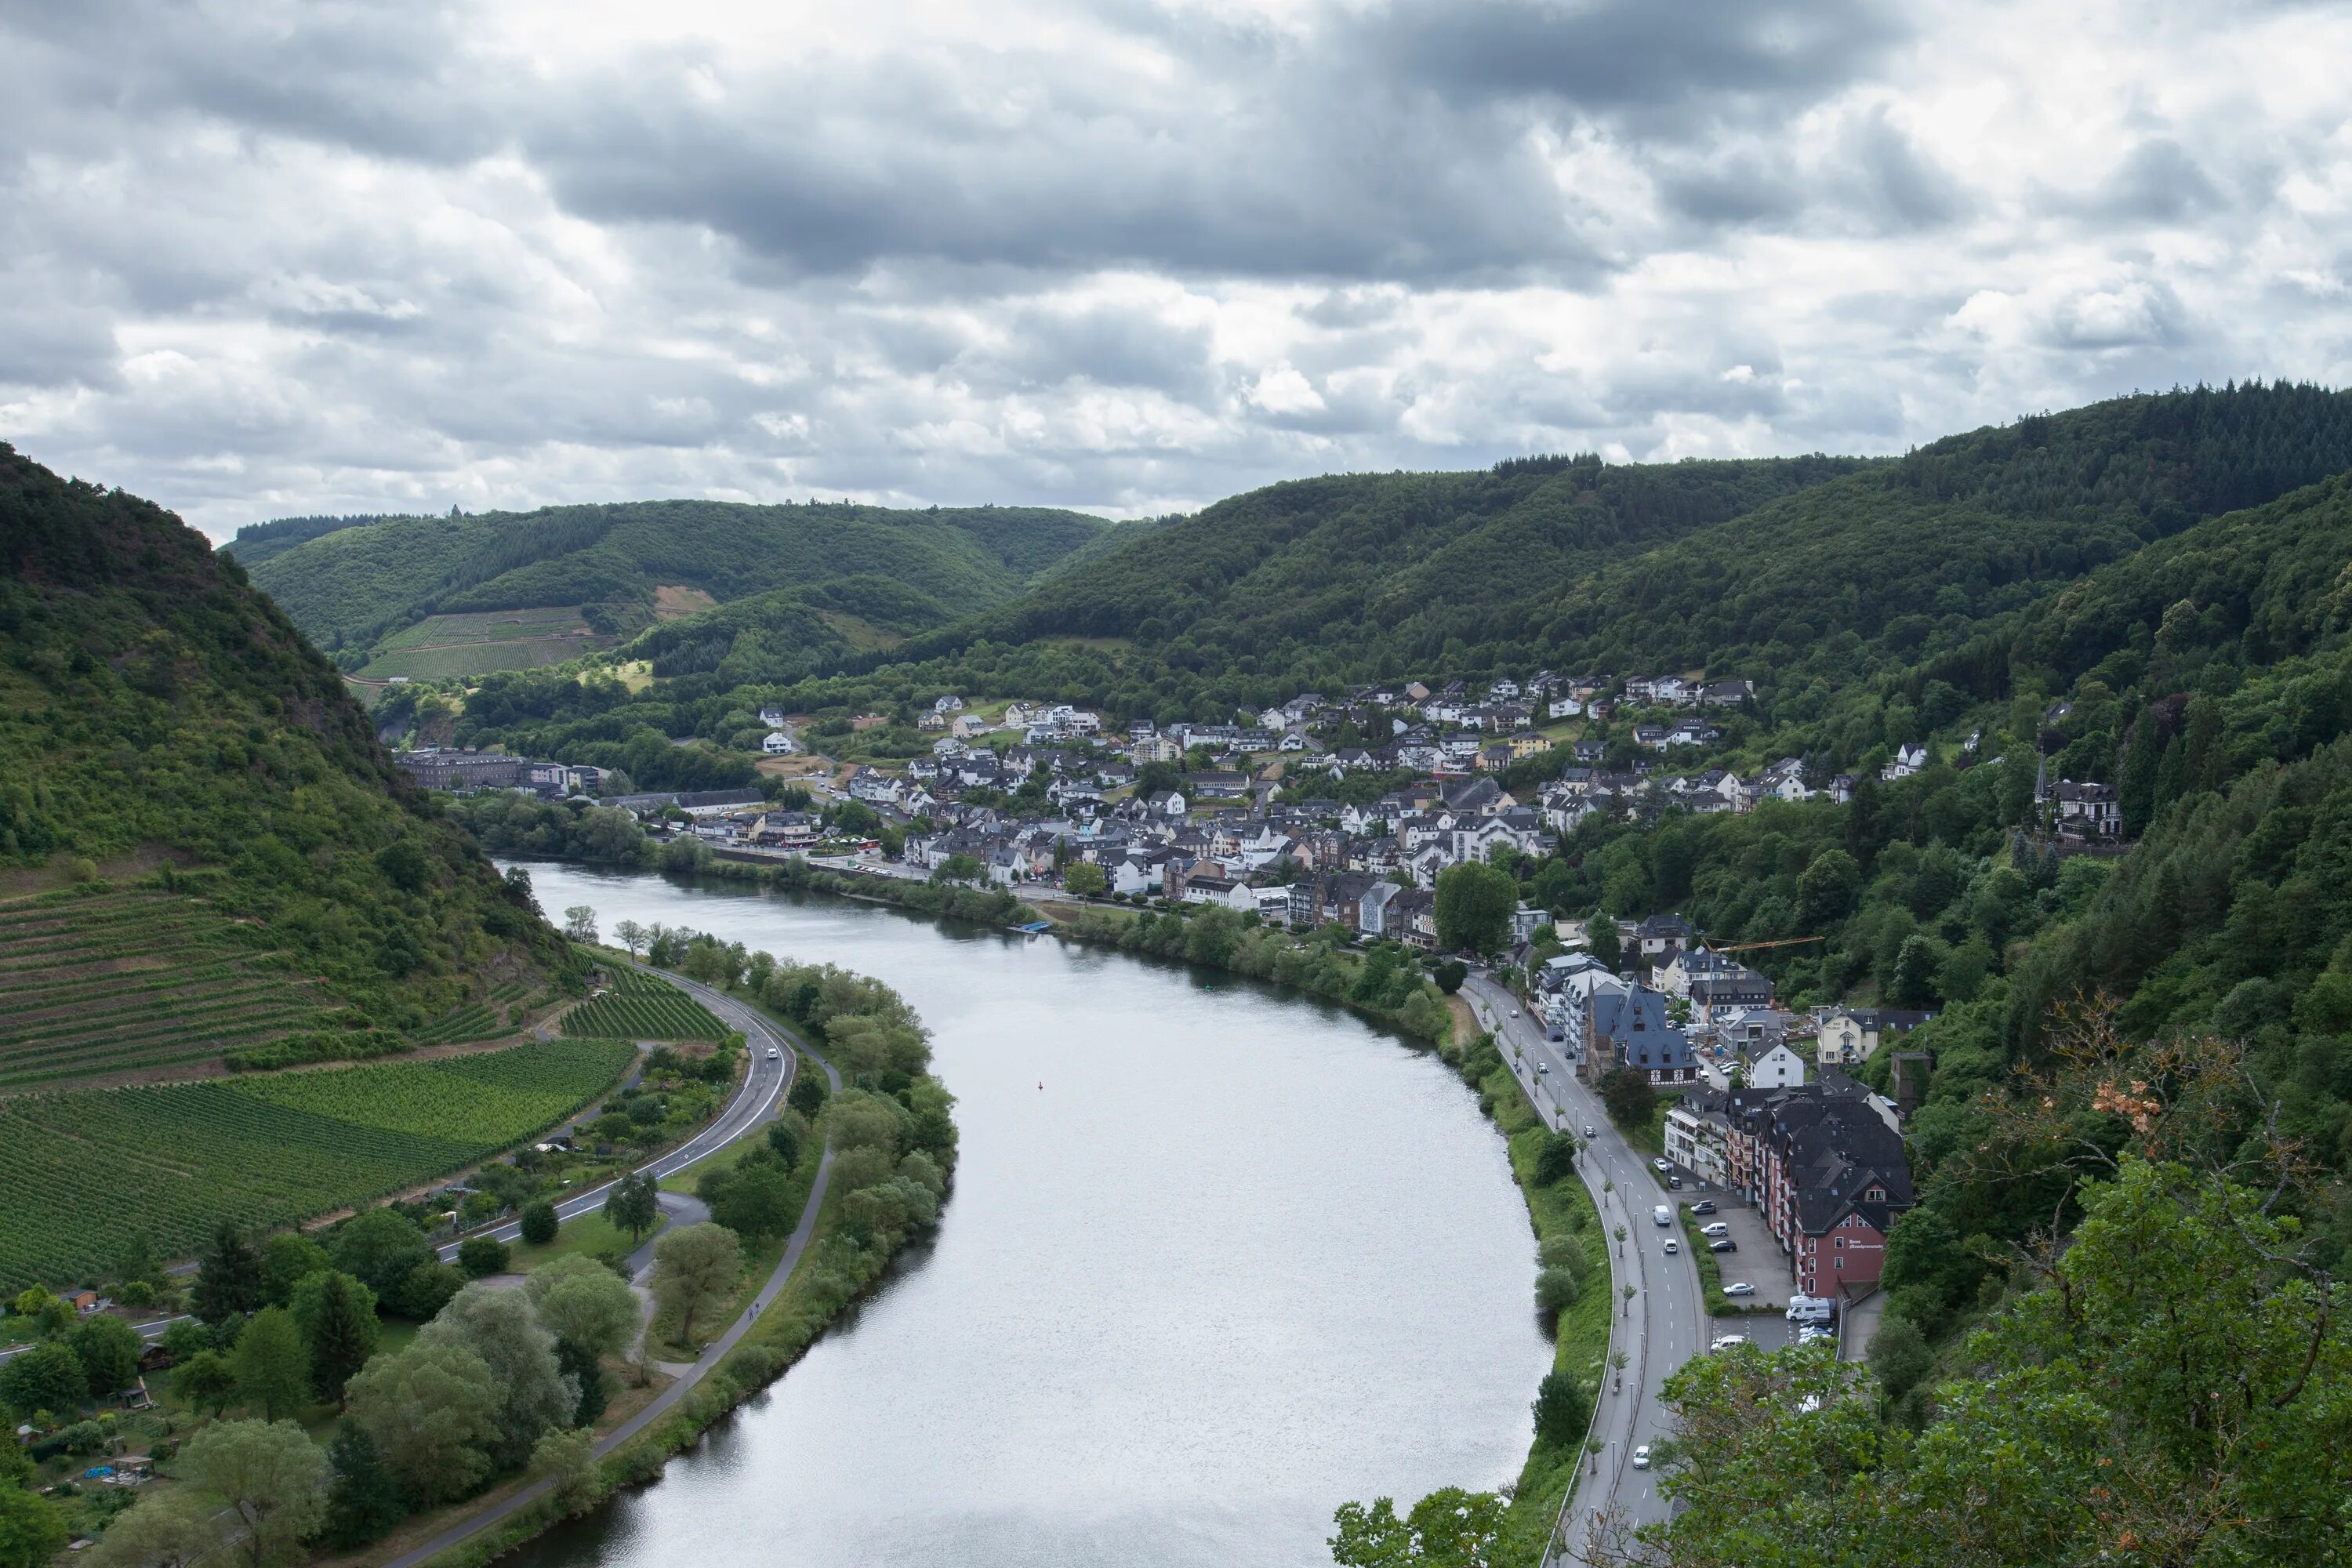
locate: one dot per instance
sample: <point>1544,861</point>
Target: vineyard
<point>130,980</point>
<point>89,1170</point>
<point>643,1008</point>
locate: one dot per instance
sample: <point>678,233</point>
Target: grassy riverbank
<point>1561,1212</point>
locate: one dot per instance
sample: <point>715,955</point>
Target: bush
<point>538,1223</point>
<point>479,1256</point>
<point>1556,1161</point>
<point>1450,976</point>
<point>1556,1291</point>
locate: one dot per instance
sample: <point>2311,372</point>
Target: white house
<point>1771,1065</point>
<point>777,744</point>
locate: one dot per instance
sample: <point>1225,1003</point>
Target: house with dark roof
<point>1828,1174</point>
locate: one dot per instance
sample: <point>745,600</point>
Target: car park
<point>1723,1244</point>
<point>1642,1458</point>
<point>1739,1288</point>
<point>1718,1228</point>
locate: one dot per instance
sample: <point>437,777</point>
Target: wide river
<point>1218,1259</point>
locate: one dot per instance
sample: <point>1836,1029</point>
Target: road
<point>763,1036</point>
<point>1668,1323</point>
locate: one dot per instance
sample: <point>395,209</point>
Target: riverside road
<point>1667,1324</point>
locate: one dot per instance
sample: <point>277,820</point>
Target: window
<point>1841,1262</point>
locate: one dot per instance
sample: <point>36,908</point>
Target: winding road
<point>1668,1323</point>
<point>762,1037</point>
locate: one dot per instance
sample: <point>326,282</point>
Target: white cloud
<point>259,256</point>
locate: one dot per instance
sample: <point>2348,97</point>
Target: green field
<point>87,1170</point>
<point>477,642</point>
<point>643,1008</point>
<point>127,980</point>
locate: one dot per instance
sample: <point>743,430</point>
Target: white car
<point>1661,1166</point>
<point>775,1054</point>
<point>1724,1341</point>
<point>1515,1012</point>
<point>1642,1458</point>
<point>1741,1288</point>
<point>1718,1228</point>
<point>1673,1246</point>
<point>1592,1131</point>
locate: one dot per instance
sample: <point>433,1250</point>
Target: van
<point>1812,1309</point>
<point>1662,1215</point>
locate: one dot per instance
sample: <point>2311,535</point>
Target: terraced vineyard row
<point>87,1170</point>
<point>475,1022</point>
<point>655,1011</point>
<point>128,980</point>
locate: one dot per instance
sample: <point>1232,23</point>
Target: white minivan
<point>1662,1215</point>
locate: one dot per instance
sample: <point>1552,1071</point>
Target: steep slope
<point>349,587</point>
<point>202,849</point>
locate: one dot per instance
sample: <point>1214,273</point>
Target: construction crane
<point>1753,946</point>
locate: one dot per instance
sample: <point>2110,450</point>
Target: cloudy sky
<point>261,256</point>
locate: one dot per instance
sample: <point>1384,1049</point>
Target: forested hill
<point>259,542</point>
<point>348,586</point>
<point>1402,565</point>
<point>185,787</point>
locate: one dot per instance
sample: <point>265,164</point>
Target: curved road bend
<point>1669,1323</point>
<point>762,1037</point>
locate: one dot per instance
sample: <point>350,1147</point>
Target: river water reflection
<point>1218,1259</point>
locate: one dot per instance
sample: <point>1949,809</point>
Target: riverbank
<point>1392,994</point>
<point>847,1224</point>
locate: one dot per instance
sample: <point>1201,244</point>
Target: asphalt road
<point>1667,1324</point>
<point>763,1038</point>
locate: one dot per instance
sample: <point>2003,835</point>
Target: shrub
<point>1556,1291</point>
<point>480,1255</point>
<point>538,1223</point>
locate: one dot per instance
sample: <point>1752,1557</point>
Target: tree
<point>430,1410</point>
<point>228,1279</point>
<point>426,1288</point>
<point>337,1316</point>
<point>1448,1529</point>
<point>364,1502</point>
<point>694,1268</point>
<point>1561,1409</point>
<point>269,1473</point>
<point>566,1457</point>
<point>499,1327</point>
<point>580,922</point>
<point>272,1371</point>
<point>632,936</point>
<point>109,1350</point>
<point>381,1248</point>
<point>478,1257</point>
<point>1450,973</point>
<point>538,1223</point>
<point>808,1093</point>
<point>204,1381</point>
<point>1085,879</point>
<point>784,1139</point>
<point>582,1302</point>
<point>1626,1094</point>
<point>634,1205</point>
<point>32,1531</point>
<point>754,1200</point>
<point>1601,932</point>
<point>48,1377</point>
<point>288,1257</point>
<point>176,1529</point>
<point>1826,893</point>
<point>1556,1161</point>
<point>1474,904</point>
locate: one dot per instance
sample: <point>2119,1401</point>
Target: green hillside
<point>259,542</point>
<point>183,783</point>
<point>350,587</point>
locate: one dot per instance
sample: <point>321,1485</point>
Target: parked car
<point>1723,1244</point>
<point>1673,1181</point>
<point>1661,1166</point>
<point>1718,1228</point>
<point>1673,1246</point>
<point>1705,1205</point>
<point>1642,1458</point>
<point>1724,1341</point>
<point>1739,1288</point>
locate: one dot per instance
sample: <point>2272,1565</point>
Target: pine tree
<point>2136,792</point>
<point>363,1502</point>
<point>339,1322</point>
<point>228,1280</point>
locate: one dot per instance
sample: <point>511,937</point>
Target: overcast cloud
<point>267,256</point>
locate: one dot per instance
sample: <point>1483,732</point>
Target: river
<point>1218,1258</point>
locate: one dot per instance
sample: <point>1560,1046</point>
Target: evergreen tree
<point>228,1279</point>
<point>2135,791</point>
<point>633,1205</point>
<point>338,1318</point>
<point>363,1502</point>
<point>579,1363</point>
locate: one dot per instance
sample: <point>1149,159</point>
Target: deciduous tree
<point>694,1269</point>
<point>269,1474</point>
<point>432,1412</point>
<point>272,1371</point>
